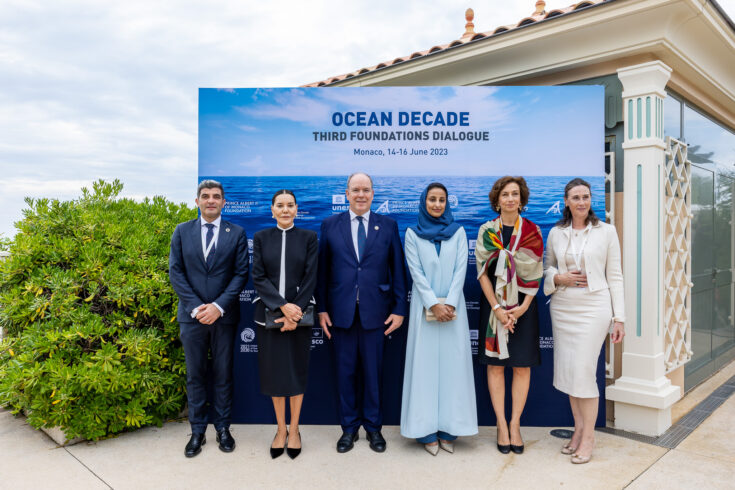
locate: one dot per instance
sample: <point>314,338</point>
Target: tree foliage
<point>89,316</point>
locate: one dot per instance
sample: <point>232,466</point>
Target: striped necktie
<point>210,236</point>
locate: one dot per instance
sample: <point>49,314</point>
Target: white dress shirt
<point>354,223</point>
<point>215,230</point>
<point>204,228</point>
<point>282,275</point>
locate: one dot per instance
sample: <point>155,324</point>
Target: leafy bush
<point>91,340</point>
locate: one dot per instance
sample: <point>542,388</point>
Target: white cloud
<point>254,163</point>
<point>109,89</point>
<point>291,107</point>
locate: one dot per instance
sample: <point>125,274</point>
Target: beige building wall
<point>687,46</point>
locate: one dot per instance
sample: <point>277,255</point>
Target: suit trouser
<point>357,347</point>
<point>198,339</point>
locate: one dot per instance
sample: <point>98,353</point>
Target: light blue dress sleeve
<point>421,284</point>
<point>460,270</point>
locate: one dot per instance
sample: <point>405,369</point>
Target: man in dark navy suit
<point>361,292</point>
<point>208,268</point>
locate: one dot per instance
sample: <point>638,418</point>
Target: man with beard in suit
<point>208,268</point>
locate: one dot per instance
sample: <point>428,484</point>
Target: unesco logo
<point>339,203</point>
<point>247,335</point>
<point>317,336</point>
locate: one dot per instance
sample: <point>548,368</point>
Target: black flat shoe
<point>377,443</point>
<point>194,446</point>
<point>347,441</point>
<point>293,452</point>
<point>277,451</point>
<point>225,440</point>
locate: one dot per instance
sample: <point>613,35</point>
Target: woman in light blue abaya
<point>438,384</point>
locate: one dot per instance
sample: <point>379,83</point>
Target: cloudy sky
<point>98,89</point>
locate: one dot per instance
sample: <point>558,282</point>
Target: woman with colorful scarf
<point>509,253</point>
<point>438,384</point>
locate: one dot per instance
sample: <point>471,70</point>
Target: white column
<point>643,395</point>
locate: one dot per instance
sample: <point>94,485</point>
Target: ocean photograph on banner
<point>256,141</point>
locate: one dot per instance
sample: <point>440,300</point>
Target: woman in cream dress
<point>584,277</point>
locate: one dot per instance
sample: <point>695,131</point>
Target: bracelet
<point>497,305</point>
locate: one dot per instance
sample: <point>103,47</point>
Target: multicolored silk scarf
<point>517,267</point>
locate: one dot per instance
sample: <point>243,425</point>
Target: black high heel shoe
<point>503,448</point>
<point>277,451</point>
<point>294,451</point>
<point>514,448</point>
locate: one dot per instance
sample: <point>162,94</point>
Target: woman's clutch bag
<point>430,317</point>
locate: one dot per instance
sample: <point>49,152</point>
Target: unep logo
<point>247,335</point>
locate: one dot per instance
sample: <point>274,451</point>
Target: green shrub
<point>91,341</point>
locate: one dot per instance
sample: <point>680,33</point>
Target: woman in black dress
<point>284,275</point>
<point>509,252</point>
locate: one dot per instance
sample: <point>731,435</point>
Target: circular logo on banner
<point>247,335</point>
<point>453,201</point>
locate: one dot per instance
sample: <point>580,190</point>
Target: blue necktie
<point>210,235</point>
<point>361,237</point>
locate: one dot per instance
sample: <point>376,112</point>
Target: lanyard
<point>577,256</point>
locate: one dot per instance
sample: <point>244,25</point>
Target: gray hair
<point>359,173</point>
<point>210,184</point>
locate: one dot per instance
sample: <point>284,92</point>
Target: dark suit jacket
<point>301,266</point>
<point>380,277</point>
<point>221,282</point>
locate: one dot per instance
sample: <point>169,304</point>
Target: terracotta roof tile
<point>469,36</point>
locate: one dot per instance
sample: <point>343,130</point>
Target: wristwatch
<point>497,305</point>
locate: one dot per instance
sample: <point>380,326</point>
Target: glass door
<point>723,328</point>
<point>703,276</point>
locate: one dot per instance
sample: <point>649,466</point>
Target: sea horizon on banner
<point>256,141</point>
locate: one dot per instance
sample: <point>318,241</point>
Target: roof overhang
<point>693,37</point>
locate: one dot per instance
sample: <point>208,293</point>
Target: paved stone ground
<point>153,458</point>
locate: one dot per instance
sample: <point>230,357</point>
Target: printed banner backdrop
<point>256,141</point>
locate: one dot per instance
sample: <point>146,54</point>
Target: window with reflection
<point>709,143</point>
<point>711,149</point>
<point>672,117</point>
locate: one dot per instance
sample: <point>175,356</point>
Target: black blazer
<point>195,283</point>
<point>302,250</point>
